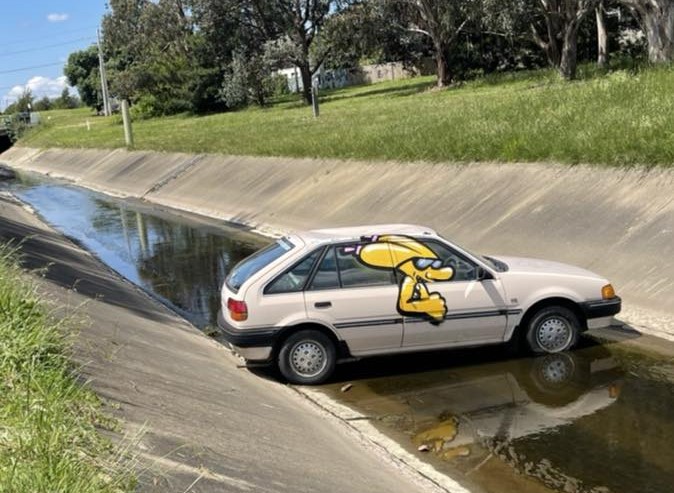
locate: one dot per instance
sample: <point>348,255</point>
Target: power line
<point>23,69</point>
<point>28,40</point>
<point>45,47</point>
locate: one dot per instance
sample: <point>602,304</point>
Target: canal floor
<point>597,419</point>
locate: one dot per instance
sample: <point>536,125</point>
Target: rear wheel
<point>307,357</point>
<point>552,329</point>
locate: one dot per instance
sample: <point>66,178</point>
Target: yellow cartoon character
<point>418,264</point>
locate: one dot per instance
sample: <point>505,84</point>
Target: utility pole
<point>107,111</point>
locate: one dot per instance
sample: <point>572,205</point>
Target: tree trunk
<point>602,37</point>
<point>658,24</point>
<point>442,67</point>
<point>657,21</point>
<point>569,61</point>
<point>305,74</point>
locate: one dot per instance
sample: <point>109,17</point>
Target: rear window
<point>250,266</point>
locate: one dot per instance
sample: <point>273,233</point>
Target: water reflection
<point>181,260</point>
<point>587,421</point>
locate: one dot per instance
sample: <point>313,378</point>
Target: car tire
<point>552,329</point>
<point>307,357</point>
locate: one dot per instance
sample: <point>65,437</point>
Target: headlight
<point>607,292</point>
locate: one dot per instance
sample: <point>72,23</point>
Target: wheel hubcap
<point>308,358</point>
<point>554,334</point>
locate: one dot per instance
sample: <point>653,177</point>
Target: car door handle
<point>323,304</point>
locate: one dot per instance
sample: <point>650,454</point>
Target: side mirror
<point>483,274</point>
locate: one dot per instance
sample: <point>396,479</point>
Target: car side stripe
<point>411,320</point>
<point>369,323</point>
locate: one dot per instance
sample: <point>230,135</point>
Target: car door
<point>358,300</point>
<point>475,309</point>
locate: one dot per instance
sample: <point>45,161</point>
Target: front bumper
<point>601,308</point>
<point>253,345</point>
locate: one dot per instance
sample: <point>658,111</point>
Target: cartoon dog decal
<point>418,265</point>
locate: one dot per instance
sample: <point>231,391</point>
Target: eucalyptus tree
<point>555,31</point>
<point>656,18</point>
<point>440,21</point>
<point>298,25</point>
<point>277,33</point>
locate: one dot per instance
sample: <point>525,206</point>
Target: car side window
<point>464,269</point>
<point>295,278</point>
<point>326,276</point>
<point>353,273</point>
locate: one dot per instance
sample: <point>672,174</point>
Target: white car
<point>315,298</point>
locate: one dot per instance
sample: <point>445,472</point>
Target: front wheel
<point>553,329</point>
<point>307,357</point>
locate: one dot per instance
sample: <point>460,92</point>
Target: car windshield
<point>248,267</point>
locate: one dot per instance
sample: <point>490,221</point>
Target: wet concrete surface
<point>594,420</point>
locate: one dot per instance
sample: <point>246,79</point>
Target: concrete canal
<point>594,420</point>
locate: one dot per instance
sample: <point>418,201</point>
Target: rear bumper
<point>253,345</point>
<point>601,308</point>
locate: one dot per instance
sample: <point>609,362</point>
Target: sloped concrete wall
<point>617,222</point>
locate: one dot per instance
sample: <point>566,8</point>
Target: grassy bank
<point>48,422</point>
<point>620,118</point>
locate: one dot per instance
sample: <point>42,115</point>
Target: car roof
<point>356,232</point>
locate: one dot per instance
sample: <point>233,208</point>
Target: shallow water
<point>181,259</point>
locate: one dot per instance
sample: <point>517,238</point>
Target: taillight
<point>237,310</point>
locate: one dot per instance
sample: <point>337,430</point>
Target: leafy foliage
<point>82,71</point>
<point>203,56</point>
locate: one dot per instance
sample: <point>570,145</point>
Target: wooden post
<point>314,100</point>
<point>126,117</point>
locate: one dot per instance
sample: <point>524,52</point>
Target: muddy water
<point>596,420</point>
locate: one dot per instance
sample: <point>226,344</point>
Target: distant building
<point>365,74</point>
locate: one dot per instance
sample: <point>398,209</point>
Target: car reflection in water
<point>465,416</point>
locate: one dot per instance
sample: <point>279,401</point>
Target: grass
<point>622,118</point>
<point>49,438</point>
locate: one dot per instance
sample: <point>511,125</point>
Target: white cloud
<point>40,87</point>
<point>56,17</point>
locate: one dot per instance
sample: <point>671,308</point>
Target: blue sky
<point>38,36</point>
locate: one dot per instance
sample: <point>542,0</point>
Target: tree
<point>82,72</point>
<point>293,28</point>
<point>602,35</point>
<point>441,21</point>
<point>558,35</point>
<point>44,104</point>
<point>149,47</point>
<point>657,20</point>
<point>25,101</point>
<point>283,32</point>
<point>65,101</point>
